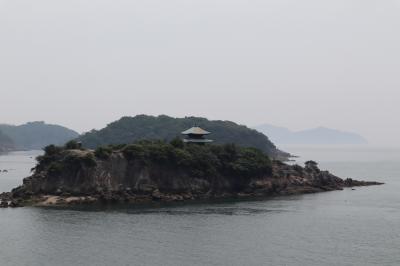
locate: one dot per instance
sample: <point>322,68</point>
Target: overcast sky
<point>299,64</point>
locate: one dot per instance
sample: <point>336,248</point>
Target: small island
<point>179,170</point>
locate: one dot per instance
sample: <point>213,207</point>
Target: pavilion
<point>196,135</point>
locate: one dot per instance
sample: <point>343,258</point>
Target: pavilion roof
<point>195,131</point>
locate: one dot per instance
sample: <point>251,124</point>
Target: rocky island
<point>149,171</point>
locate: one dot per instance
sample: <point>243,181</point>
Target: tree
<point>73,145</point>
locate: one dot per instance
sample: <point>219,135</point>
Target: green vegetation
<point>143,127</point>
<point>72,145</point>
<point>103,152</point>
<point>77,160</point>
<point>56,159</point>
<point>201,161</point>
<point>312,166</point>
<point>36,135</point>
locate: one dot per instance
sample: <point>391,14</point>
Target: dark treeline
<point>143,127</point>
<point>199,161</point>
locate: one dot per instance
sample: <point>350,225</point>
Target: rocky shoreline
<point>8,199</point>
<point>118,180</point>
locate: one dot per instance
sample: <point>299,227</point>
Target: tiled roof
<point>195,131</point>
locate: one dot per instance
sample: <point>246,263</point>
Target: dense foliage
<point>142,127</point>
<point>37,135</point>
<point>103,152</point>
<point>201,161</point>
<point>57,159</point>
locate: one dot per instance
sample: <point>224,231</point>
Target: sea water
<point>351,227</point>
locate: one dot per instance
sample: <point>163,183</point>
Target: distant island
<point>33,136</point>
<point>154,171</point>
<point>6,143</point>
<point>315,136</point>
<point>145,127</point>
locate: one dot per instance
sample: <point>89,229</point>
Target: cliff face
<point>116,174</point>
<point>125,180</point>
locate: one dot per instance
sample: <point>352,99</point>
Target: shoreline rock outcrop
<point>165,173</point>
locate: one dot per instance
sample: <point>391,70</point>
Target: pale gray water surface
<point>347,227</point>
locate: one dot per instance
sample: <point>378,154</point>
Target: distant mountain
<point>316,136</point>
<point>36,135</point>
<point>6,143</point>
<point>130,129</point>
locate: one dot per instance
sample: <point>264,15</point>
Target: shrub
<point>251,162</point>
<point>103,152</point>
<point>311,163</point>
<point>117,147</point>
<point>76,161</point>
<point>72,145</point>
<point>181,157</point>
<point>177,143</point>
<point>52,150</point>
<point>134,152</point>
<point>298,168</point>
<point>51,154</point>
<point>158,152</point>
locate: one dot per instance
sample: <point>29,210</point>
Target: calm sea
<point>360,227</point>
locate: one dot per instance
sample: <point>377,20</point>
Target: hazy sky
<point>299,64</point>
